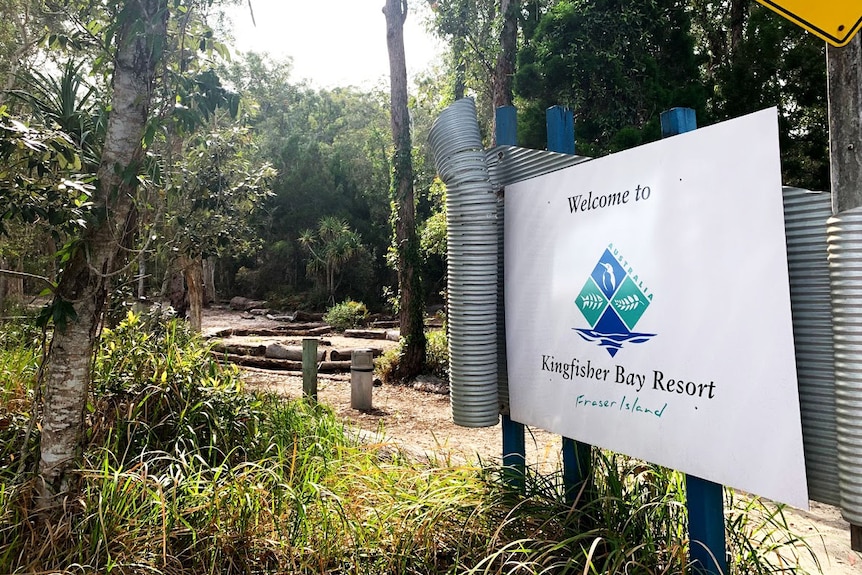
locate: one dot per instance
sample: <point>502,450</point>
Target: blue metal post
<point>576,455</point>
<point>704,499</point>
<point>561,129</point>
<point>514,445</point>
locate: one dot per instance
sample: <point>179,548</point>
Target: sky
<point>333,42</point>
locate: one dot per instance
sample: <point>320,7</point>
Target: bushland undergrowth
<point>183,472</point>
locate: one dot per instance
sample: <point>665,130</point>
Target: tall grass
<point>183,473</point>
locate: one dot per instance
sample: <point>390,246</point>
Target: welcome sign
<point>648,307</point>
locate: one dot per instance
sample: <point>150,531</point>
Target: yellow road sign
<point>836,21</point>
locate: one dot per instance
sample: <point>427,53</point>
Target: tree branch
<point>25,275</point>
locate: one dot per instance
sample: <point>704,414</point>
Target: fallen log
<point>345,354</point>
<point>235,349</point>
<point>365,333</point>
<point>307,316</point>
<point>291,352</point>
<point>331,366</point>
<point>262,362</point>
<point>275,332</point>
<point>280,364</point>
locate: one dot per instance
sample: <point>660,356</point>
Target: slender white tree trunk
<point>193,274</point>
<point>411,307</point>
<point>209,265</point>
<point>84,284</point>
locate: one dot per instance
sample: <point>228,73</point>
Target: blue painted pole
<point>576,455</point>
<point>704,499</point>
<point>514,444</point>
<point>561,129</point>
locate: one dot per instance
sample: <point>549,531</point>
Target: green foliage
<point>158,389</point>
<point>72,104</point>
<point>773,62</point>
<point>345,315</point>
<point>436,358</point>
<point>184,473</point>
<point>331,247</point>
<point>20,347</point>
<point>618,65</point>
<point>437,354</point>
<point>331,150</point>
<point>40,180</point>
<point>630,519</point>
<point>218,186</point>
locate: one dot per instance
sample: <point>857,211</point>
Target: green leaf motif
<point>591,301</point>
<point>628,303</point>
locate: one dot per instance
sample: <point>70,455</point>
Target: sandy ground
<point>420,422</point>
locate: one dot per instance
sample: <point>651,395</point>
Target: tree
<point>411,309</point>
<point>100,254</point>
<point>332,246</point>
<point>616,64</point>
<point>219,185</point>
<point>504,70</point>
<point>22,29</point>
<point>331,149</point>
<point>755,60</point>
<point>482,35</point>
<point>43,196</point>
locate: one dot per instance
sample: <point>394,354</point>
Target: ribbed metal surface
<point>511,164</point>
<point>844,237</point>
<point>805,215</point>
<point>508,165</point>
<point>471,214</point>
<point>502,357</point>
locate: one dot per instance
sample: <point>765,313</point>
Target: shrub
<point>437,354</point>
<point>436,358</point>
<point>346,315</point>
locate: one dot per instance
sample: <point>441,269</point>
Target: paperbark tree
<point>83,287</point>
<point>406,241</point>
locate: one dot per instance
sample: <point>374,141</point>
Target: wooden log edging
<point>293,330</point>
<point>280,364</point>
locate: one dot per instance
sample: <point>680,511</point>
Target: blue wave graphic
<point>613,342</point>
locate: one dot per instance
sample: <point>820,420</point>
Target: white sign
<point>648,307</point>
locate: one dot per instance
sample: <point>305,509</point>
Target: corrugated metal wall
<point>805,215</point>
<point>844,237</point>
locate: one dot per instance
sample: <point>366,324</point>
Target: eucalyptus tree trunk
<point>209,267</point>
<point>193,274</point>
<point>3,283</point>
<point>504,70</point>
<point>11,286</point>
<point>406,241</point>
<point>83,287</point>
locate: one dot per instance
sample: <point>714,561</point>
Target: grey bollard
<point>361,379</point>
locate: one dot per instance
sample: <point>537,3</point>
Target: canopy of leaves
<point>617,64</point>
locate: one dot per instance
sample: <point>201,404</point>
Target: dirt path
<point>421,422</point>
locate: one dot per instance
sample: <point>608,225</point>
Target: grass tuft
<point>185,473</point>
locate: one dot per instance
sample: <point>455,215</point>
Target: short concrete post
<point>361,372</point>
<point>309,367</point>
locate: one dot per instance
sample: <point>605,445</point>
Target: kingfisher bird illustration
<point>608,278</point>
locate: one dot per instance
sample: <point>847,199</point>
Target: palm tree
<point>332,246</point>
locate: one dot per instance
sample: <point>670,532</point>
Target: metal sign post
<point>845,150</point>
<point>704,499</point>
<point>576,455</point>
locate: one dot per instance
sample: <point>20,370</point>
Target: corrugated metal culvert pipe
<point>805,216</point>
<point>471,216</point>
<point>844,237</point>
